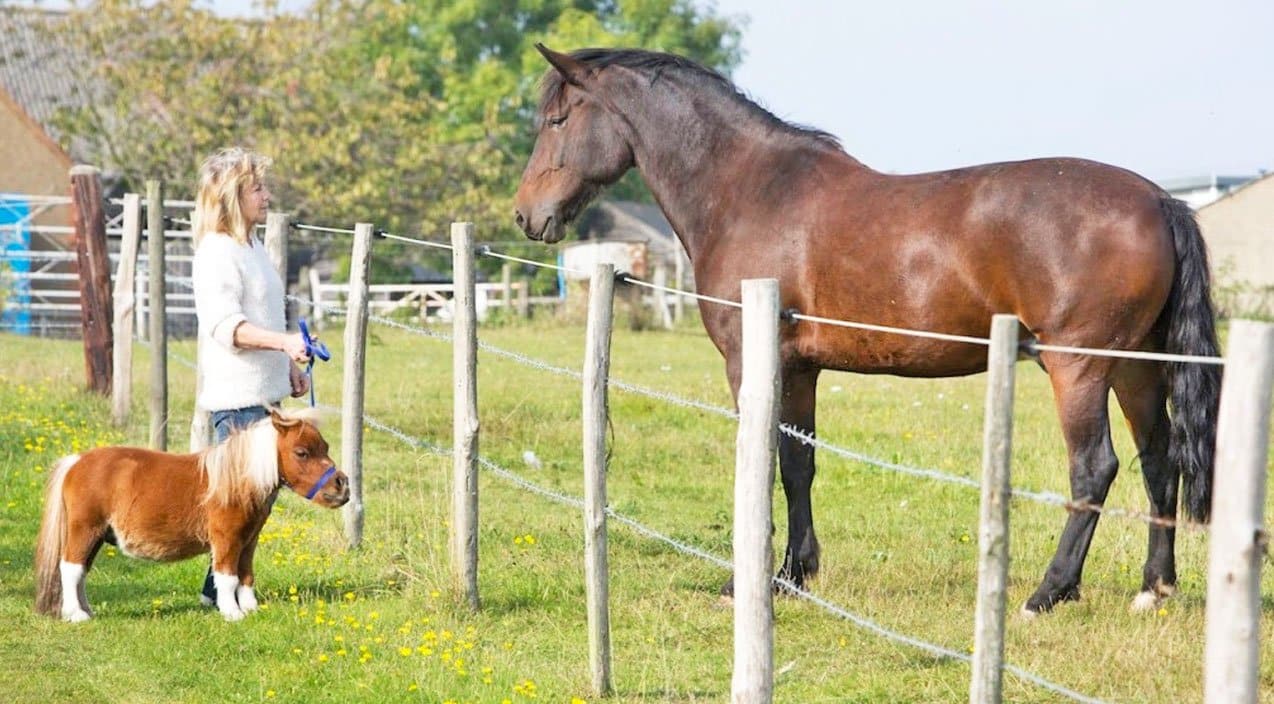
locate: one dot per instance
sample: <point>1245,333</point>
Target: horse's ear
<point>571,68</point>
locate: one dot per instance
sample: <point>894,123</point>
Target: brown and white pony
<point>167,507</point>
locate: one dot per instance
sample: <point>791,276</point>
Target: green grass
<point>898,550</point>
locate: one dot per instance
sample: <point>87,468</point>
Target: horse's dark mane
<point>656,64</point>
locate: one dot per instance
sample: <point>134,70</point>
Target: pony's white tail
<point>48,547</point>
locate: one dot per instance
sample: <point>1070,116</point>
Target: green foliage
<point>1237,298</point>
<point>409,115</point>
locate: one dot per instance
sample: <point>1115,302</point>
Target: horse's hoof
<point>1028,614</point>
<point>725,601</point>
<point>205,600</point>
<point>232,615</point>
<point>76,616</point>
<point>247,599</point>
<point>1145,601</point>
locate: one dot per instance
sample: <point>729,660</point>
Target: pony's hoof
<point>1028,614</point>
<point>205,600</point>
<point>232,615</point>
<point>247,599</point>
<point>76,616</point>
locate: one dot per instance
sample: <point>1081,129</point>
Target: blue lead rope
<point>313,349</point>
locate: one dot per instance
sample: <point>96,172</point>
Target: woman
<point>245,356</point>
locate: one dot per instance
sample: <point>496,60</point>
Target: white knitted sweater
<point>235,283</point>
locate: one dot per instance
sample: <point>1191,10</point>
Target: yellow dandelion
<point>413,687</point>
<point>269,693</point>
<point>404,651</point>
<point>530,539</point>
<point>322,657</point>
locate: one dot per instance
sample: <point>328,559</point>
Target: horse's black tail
<point>1195,389</point>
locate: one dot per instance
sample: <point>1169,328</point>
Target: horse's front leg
<point>226,537</point>
<point>796,466</point>
<point>246,593</point>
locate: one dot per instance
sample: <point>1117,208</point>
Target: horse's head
<point>304,465</point>
<point>582,146</point>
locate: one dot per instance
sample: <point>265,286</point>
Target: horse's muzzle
<point>336,494</point>
<point>547,228</point>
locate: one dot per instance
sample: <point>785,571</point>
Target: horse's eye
<point>557,121</point>
<point>301,452</point>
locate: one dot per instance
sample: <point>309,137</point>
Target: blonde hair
<point>223,177</point>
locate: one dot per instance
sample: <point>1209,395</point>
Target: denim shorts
<point>226,422</point>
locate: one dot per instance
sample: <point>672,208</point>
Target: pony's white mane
<point>244,469</point>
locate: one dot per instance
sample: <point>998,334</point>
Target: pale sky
<point>1167,88</point>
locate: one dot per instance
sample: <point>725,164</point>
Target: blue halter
<point>313,349</point>
<point>322,480</point>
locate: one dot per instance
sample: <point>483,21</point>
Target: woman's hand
<point>293,345</point>
<point>300,382</point>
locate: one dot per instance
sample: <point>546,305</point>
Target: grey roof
<point>628,221</point>
<point>37,70</point>
<point>1195,183</point>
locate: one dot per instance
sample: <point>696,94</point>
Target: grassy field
<point>384,624</point>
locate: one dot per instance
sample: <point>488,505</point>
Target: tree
<point>406,114</point>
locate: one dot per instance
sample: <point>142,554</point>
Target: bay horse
<point>167,507</point>
<point>1084,254</point>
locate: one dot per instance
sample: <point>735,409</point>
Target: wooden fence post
<point>601,294</point>
<point>156,306</point>
<point>663,317</point>
<point>679,283</point>
<point>125,301</point>
<point>464,477</point>
<point>276,247</point>
<point>759,393</point>
<point>316,307</point>
<point>95,276</point>
<point>1238,540</point>
<point>506,287</point>
<point>993,525</point>
<point>352,380</point>
<point>524,298</point>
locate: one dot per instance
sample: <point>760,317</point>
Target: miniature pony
<point>167,507</point>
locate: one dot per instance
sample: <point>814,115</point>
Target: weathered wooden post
<point>276,246</point>
<point>95,276</point>
<point>156,312</point>
<point>987,681</point>
<point>756,444</point>
<point>601,295</point>
<point>352,385</point>
<point>506,287</point>
<point>464,476</point>
<point>663,317</point>
<point>316,292</point>
<point>524,298</point>
<point>1238,539</point>
<point>679,283</point>
<point>125,301</point>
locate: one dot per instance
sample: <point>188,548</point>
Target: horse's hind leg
<point>1081,392</point>
<point>1143,394</point>
<point>83,539</point>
